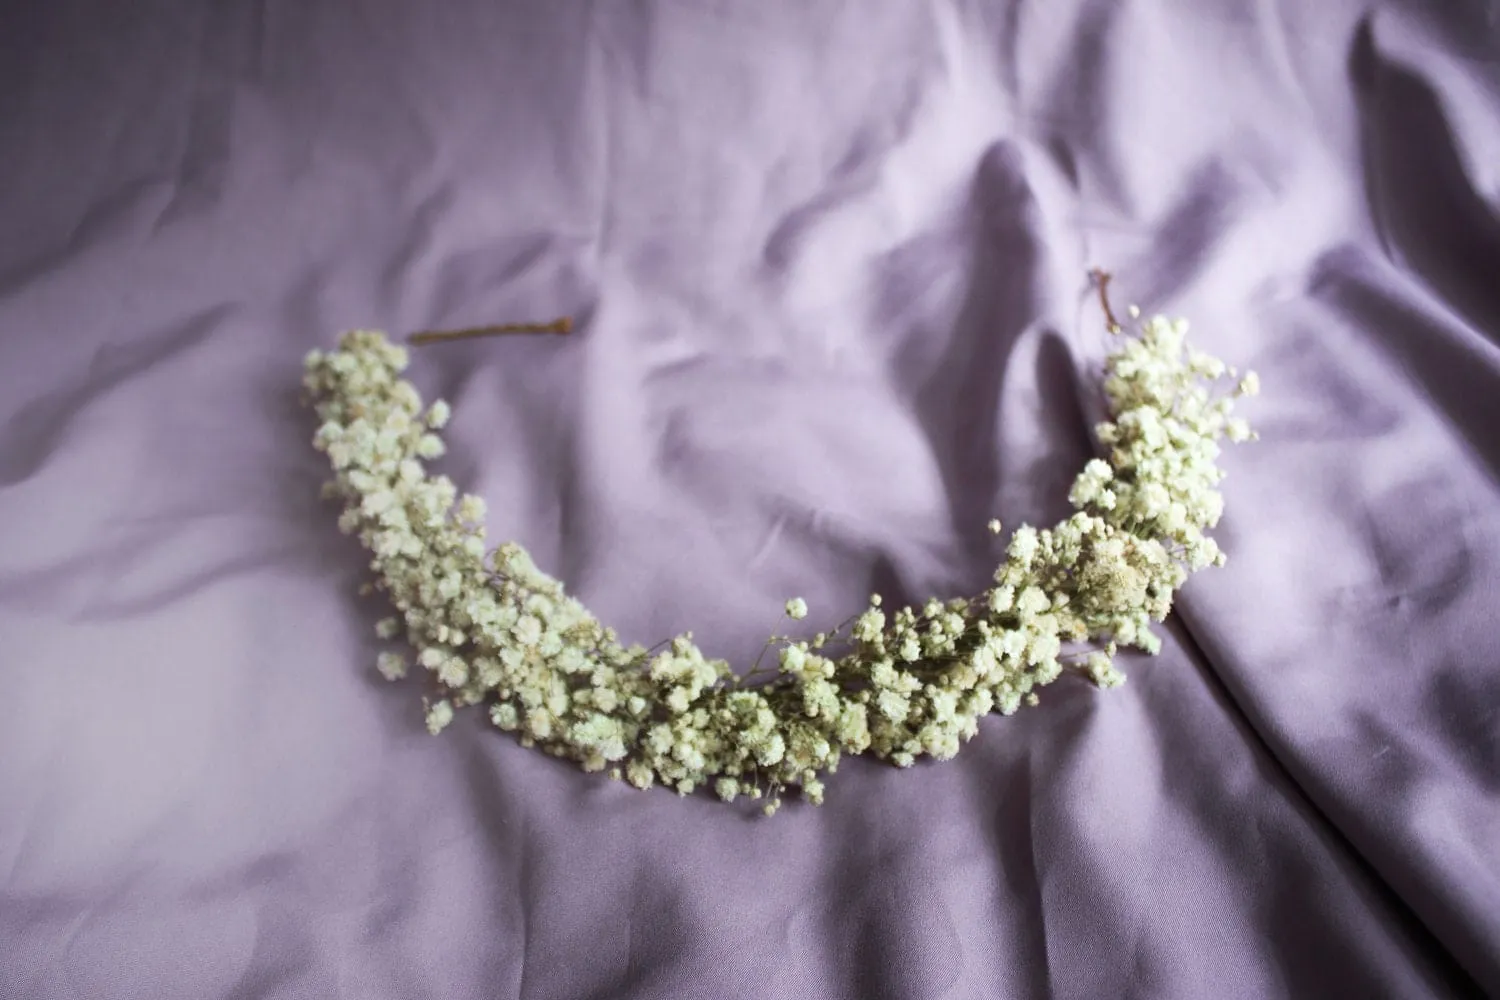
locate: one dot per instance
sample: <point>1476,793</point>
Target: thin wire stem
<point>1101,281</point>
<point>560,326</point>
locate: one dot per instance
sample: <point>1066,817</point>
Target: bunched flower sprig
<point>492,629</point>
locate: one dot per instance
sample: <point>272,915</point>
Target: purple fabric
<point>828,264</point>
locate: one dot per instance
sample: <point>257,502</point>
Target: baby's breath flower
<point>793,658</point>
<point>439,714</point>
<point>503,714</point>
<point>900,683</point>
<point>471,509</point>
<point>527,630</point>
<point>870,626</point>
<point>392,666</point>
<point>454,672</point>
<point>1023,544</point>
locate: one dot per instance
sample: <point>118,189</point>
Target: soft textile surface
<point>828,267</point>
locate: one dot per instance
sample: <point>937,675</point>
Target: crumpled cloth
<point>827,264</point>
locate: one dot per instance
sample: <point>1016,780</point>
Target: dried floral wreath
<point>492,628</point>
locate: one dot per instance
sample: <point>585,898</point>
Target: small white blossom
<point>392,666</point>
<point>527,630</point>
<point>454,672</point>
<point>1023,544</point>
<point>869,626</point>
<point>439,715</point>
<point>504,716</point>
<point>796,608</point>
<point>793,659</point>
<point>471,509</point>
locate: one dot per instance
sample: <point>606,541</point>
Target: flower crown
<point>493,629</point>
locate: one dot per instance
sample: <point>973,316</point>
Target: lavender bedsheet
<point>828,267</point>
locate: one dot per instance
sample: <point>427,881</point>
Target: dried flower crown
<point>493,628</point>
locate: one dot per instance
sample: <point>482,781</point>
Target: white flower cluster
<point>490,627</point>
